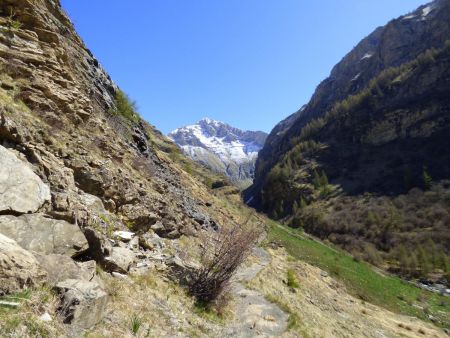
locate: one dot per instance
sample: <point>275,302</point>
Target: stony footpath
<point>255,316</point>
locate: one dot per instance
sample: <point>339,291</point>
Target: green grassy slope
<point>362,280</point>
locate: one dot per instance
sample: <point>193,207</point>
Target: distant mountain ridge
<point>222,148</point>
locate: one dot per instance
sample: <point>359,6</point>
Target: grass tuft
<point>292,279</point>
<point>125,107</point>
<point>136,323</point>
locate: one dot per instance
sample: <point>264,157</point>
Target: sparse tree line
<point>407,234</point>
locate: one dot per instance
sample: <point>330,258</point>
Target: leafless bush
<point>222,254</point>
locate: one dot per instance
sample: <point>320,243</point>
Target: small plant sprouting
<point>125,107</point>
<point>13,23</point>
<point>136,323</point>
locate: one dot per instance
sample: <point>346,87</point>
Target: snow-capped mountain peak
<point>221,147</point>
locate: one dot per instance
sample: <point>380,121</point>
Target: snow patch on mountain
<point>422,13</point>
<point>427,10</point>
<point>367,56</point>
<point>356,77</point>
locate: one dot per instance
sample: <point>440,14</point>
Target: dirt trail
<point>255,315</point>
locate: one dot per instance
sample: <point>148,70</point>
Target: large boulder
<point>44,235</point>
<point>93,203</point>
<point>21,190</point>
<point>83,304</point>
<point>60,268</point>
<point>180,270</point>
<point>119,260</point>
<point>19,269</point>
<point>140,217</point>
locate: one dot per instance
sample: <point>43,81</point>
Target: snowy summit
<point>221,147</point>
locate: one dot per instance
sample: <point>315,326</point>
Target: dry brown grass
<point>321,306</point>
<point>24,321</point>
<point>164,309</point>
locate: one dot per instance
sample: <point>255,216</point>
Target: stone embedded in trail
<point>44,235</point>
<point>45,317</point>
<point>21,190</point>
<point>83,304</point>
<point>19,269</point>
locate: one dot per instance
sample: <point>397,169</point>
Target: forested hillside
<point>369,169</point>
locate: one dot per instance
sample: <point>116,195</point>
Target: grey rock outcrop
<point>151,241</point>
<point>19,269</point>
<point>83,304</point>
<point>90,158</point>
<point>44,235</point>
<point>119,260</point>
<point>181,270</point>
<point>21,190</point>
<point>60,268</point>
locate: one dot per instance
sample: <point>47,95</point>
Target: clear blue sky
<point>250,63</point>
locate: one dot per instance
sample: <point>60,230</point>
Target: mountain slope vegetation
<point>400,41</point>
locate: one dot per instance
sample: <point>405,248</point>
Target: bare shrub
<point>221,255</point>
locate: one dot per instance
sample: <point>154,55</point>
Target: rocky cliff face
<point>222,148</point>
<point>57,105</point>
<point>400,41</point>
<point>82,182</point>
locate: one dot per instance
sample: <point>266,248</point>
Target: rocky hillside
<point>374,130</point>
<point>84,181</point>
<point>222,148</point>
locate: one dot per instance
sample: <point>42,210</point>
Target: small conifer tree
<point>427,180</point>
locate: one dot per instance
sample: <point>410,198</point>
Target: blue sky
<point>249,63</point>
